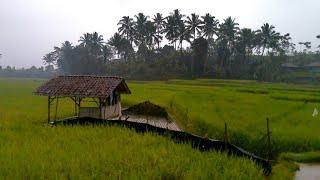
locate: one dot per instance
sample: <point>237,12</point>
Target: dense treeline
<point>180,46</point>
<point>32,72</point>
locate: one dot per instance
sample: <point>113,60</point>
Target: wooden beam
<point>79,105</point>
<point>75,109</point>
<point>75,105</point>
<point>225,136</point>
<point>55,114</point>
<point>100,108</point>
<point>269,142</point>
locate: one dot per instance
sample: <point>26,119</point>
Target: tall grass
<point>244,105</point>
<point>31,149</point>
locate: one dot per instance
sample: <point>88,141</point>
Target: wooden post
<point>225,136</point>
<point>75,106</point>
<point>79,104</point>
<point>55,115</point>
<point>269,141</point>
<point>49,103</point>
<point>100,108</point>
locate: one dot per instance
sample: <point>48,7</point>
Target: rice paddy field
<point>204,106</point>
<point>31,149</point>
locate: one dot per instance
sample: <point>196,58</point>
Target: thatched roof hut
<point>104,90</point>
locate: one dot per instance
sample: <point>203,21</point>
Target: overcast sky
<point>30,28</point>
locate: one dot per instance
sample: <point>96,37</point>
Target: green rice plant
<point>32,149</point>
<point>210,105</point>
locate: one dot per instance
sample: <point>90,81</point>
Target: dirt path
<point>154,121</point>
<point>308,171</point>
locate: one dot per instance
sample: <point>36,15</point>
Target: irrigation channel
<point>308,171</point>
<point>197,142</point>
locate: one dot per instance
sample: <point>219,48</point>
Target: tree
<point>96,43</point>
<point>152,36</point>
<point>246,41</point>
<point>268,36</point>
<point>210,26</point>
<point>158,21</point>
<point>126,28</point>
<point>121,45</point>
<point>307,45</point>
<point>200,54</point>
<point>140,28</point>
<point>227,33</point>
<point>49,68</point>
<point>194,24</point>
<point>49,58</point>
<point>171,31</point>
<point>317,47</point>
<point>178,22</point>
<point>116,42</point>
<point>285,44</point>
<point>107,53</point>
<point>184,35</point>
<point>229,29</point>
<point>178,17</point>
<point>65,58</point>
<point>93,42</point>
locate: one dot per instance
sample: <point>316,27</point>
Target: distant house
<point>104,91</point>
<point>313,67</point>
<point>289,66</point>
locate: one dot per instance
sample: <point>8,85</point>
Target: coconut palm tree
<point>107,53</point>
<point>65,57</point>
<point>210,26</point>
<point>85,39</point>
<point>179,22</point>
<point>227,34</point>
<point>140,28</point>
<point>194,24</point>
<point>268,36</point>
<point>184,35</point>
<point>178,17</point>
<point>176,23</point>
<point>284,44</point>
<point>246,41</point>
<point>126,28</point>
<point>158,21</point>
<point>97,43</point>
<point>116,42</point>
<point>93,42</point>
<point>170,29</point>
<point>152,36</point>
<point>229,29</point>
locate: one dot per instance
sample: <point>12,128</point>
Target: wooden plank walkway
<point>154,121</point>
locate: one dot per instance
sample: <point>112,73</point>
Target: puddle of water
<point>308,172</point>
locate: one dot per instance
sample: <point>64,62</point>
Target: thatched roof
<point>83,86</point>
